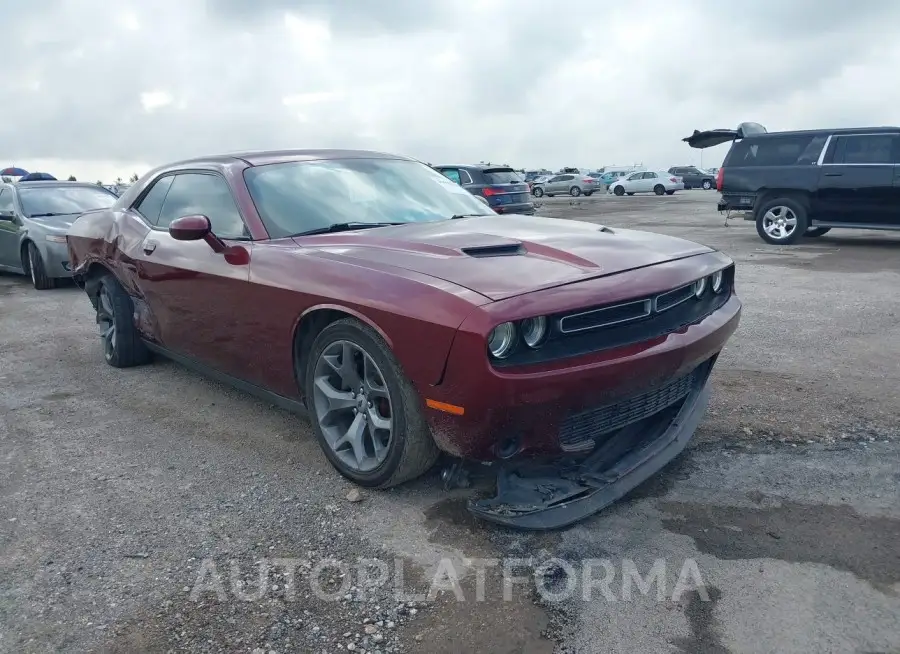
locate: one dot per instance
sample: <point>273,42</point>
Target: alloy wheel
<point>353,406</point>
<point>106,318</point>
<point>779,222</point>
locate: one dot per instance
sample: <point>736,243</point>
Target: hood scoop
<point>505,250</point>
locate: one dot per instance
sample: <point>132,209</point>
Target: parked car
<point>693,177</point>
<point>609,177</point>
<point>570,183</point>
<point>659,182</point>
<point>408,319</point>
<point>532,175</point>
<point>34,218</point>
<point>501,186</point>
<point>805,183</point>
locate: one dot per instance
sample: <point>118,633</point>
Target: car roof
<point>840,130</point>
<point>264,157</point>
<point>51,183</point>
<point>475,166</point>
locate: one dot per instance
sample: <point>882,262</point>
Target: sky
<point>102,88</point>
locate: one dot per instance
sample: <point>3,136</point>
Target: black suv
<point>502,187</point>
<point>806,183</point>
<point>693,177</point>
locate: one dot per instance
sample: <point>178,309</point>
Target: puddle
<point>836,536</point>
<point>705,636</point>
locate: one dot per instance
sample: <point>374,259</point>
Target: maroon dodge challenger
<point>408,319</point>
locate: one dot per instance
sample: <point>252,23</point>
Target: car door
<point>644,182</point>
<point>10,225</point>
<point>194,294</point>
<point>857,180</point>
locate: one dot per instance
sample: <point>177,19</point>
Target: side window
<point>868,149</point>
<point>568,178</point>
<point>206,194</point>
<point>150,206</point>
<point>465,177</point>
<point>811,154</point>
<point>452,174</point>
<point>555,178</point>
<point>6,201</point>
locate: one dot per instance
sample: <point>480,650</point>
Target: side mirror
<point>190,228</point>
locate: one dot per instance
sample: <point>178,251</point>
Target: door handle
<point>149,247</point>
<point>834,174</point>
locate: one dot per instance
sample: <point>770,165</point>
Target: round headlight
<point>534,330</point>
<point>699,288</point>
<point>502,339</point>
<point>717,279</point>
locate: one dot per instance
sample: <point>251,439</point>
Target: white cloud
<point>501,80</point>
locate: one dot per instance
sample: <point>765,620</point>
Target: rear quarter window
<point>502,176</point>
<point>777,151</point>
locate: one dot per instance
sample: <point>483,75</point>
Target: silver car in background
<point>568,183</point>
<point>34,220</point>
<point>659,182</point>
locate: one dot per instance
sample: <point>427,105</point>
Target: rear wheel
<point>781,221</point>
<point>619,191</point>
<point>574,191</point>
<point>537,191</point>
<point>367,415</point>
<point>122,345</point>
<point>707,184</point>
<point>813,232</point>
<point>36,269</point>
<point>659,189</point>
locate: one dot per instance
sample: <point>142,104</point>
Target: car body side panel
<point>417,315</point>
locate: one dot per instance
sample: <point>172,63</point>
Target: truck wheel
<point>781,221</point>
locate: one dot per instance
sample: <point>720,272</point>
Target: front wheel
<point>781,221</point>
<point>537,192</point>
<point>366,414</point>
<point>37,270</point>
<point>707,184</point>
<point>813,232</point>
<point>659,189</point>
<point>574,191</point>
<point>619,191</point>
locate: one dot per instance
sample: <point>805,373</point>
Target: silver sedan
<point>658,181</point>
<point>34,219</point>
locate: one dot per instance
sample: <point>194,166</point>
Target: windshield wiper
<point>343,227</point>
<point>468,215</point>
<point>46,215</point>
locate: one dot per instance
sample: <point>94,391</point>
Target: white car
<point>655,181</point>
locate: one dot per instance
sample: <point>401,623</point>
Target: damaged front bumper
<point>538,496</point>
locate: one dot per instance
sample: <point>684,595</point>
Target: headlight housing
<point>56,238</point>
<point>502,340</point>
<point>534,331</point>
<point>699,288</point>
<point>716,281</point>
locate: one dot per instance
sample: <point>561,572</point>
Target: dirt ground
<point>122,490</point>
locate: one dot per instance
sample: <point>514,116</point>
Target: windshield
<point>39,200</point>
<point>300,196</point>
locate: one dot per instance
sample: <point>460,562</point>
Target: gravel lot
<point>121,490</point>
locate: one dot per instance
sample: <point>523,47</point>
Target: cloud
<point>107,85</point>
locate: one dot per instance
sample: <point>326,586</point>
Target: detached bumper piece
<point>544,496</point>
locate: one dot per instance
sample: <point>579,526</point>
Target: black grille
<point>579,431</point>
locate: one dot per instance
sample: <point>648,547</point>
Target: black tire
<point>549,195</point>
<point>412,450</point>
<point>126,349</point>
<point>813,232</point>
<point>670,192</point>
<point>630,193</point>
<point>37,270</point>
<point>537,191</point>
<point>574,191</point>
<point>776,205</point>
<point>659,189</point>
<point>588,193</point>
<point>707,184</point>
<point>618,190</point>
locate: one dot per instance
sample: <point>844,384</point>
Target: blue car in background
<point>502,187</point>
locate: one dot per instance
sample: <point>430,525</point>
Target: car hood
<point>504,256</point>
<point>56,223</point>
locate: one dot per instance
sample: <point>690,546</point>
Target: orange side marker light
<point>446,408</point>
